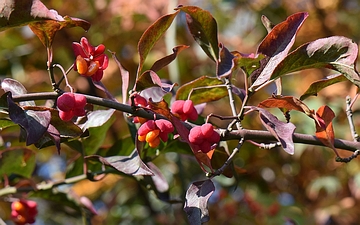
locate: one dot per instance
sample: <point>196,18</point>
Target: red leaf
<point>168,59</point>
<point>326,133</point>
<point>277,44</point>
<point>287,103</point>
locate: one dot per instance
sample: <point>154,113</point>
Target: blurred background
<point>275,188</point>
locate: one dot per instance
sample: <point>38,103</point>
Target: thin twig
<point>229,160</point>
<point>265,145</point>
<point>350,119</point>
<point>232,101</point>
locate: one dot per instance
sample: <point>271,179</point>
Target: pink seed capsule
<point>177,106</point>
<point>146,127</point>
<point>207,130</point>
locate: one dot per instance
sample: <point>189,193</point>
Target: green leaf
<point>60,198</point>
<point>204,89</point>
<point>337,53</point>
<point>321,84</point>
<point>121,147</point>
<point>152,35</point>
<point>4,123</point>
<point>203,28</point>
<point>248,63</point>
<point>98,124</point>
<point>20,161</point>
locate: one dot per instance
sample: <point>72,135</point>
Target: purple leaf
<point>337,53</point>
<point>35,123</point>
<point>152,35</point>
<point>55,136</point>
<point>225,64</point>
<point>277,44</point>
<point>16,88</point>
<point>151,79</point>
<point>282,131</point>
<point>197,197</point>
<point>158,178</point>
<point>98,118</point>
<point>241,93</point>
<point>125,77</point>
<point>203,28</point>
<point>131,165</point>
<point>101,86</point>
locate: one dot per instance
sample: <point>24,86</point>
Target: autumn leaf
<point>287,103</point>
<point>277,44</point>
<point>326,134</point>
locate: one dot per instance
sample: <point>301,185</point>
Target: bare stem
<point>229,160</point>
<point>233,135</point>
<point>350,119</point>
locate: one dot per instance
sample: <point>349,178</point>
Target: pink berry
<point>79,112</point>
<point>177,106</point>
<point>207,130</point>
<point>215,137</point>
<point>66,116</point>
<point>196,136</point>
<point>80,101</point>
<point>164,136</point>
<point>146,127</point>
<point>188,107</point>
<point>66,102</point>
<point>193,115</point>
<point>164,126</point>
<point>205,147</point>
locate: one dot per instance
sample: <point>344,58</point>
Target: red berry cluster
<point>23,212</point>
<point>184,109</point>
<point>140,102</point>
<point>70,105</point>
<point>204,137</point>
<point>153,130</point>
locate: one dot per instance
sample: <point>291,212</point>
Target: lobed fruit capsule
<point>23,212</point>
<point>71,105</point>
<point>203,137</point>
<point>66,102</point>
<point>184,109</point>
<point>153,131</point>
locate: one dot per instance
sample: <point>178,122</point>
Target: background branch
<point>233,135</point>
